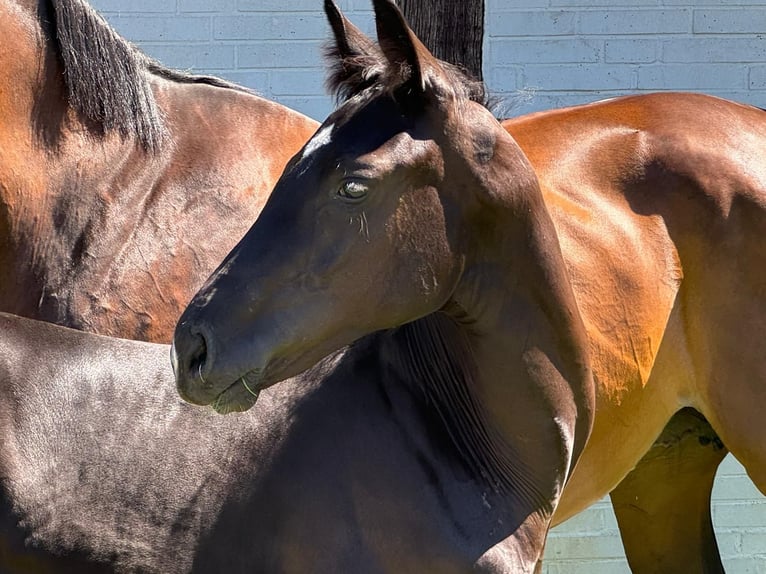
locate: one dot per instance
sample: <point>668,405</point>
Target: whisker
<point>366,227</point>
<point>249,390</point>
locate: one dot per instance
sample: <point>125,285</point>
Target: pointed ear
<point>407,56</point>
<point>354,59</point>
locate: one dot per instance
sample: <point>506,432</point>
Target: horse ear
<point>355,61</point>
<point>407,57</point>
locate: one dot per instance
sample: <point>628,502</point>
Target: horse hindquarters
<point>663,505</point>
<point>725,319</point>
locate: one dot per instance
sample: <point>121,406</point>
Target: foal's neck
<point>506,361</point>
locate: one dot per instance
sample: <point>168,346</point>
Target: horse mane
<point>365,67</point>
<point>106,76</point>
<point>433,356</point>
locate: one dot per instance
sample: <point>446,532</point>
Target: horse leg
<point>663,505</point>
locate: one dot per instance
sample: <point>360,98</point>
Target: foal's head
<point>371,226</point>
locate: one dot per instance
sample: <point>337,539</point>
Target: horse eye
<point>352,190</point>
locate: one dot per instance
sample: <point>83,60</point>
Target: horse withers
<point>122,183</point>
<point>622,236</point>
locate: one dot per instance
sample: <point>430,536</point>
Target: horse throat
<point>434,356</point>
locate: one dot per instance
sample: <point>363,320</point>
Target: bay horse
<point>589,265</point>
<point>122,182</point>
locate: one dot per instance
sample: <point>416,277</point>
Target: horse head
<point>398,207</point>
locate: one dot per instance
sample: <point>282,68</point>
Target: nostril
<point>198,357</point>
<point>192,356</point>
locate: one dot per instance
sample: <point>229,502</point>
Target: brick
<point>707,50</point>
<point>729,544</point>
<point>364,20</point>
<point>579,77</point>
<point>257,80</point>
<point>692,76</point>
<point>217,6</point>
<point>753,98</point>
<point>503,79</point>
<point>749,565</point>
<point>592,520</point>
<point>697,3</point>
<point>286,25</point>
<point>586,567</point>
<point>280,54</point>
<point>735,487</point>
<point>741,21</point>
<point>730,465</point>
<point>527,100</point>
<point>584,547</point>
<point>757,77</point>
<point>606,3</point>
<point>158,29</point>
<point>618,51</point>
<point>359,5</point>
<point>504,52</point>
<point>754,543</point>
<point>740,515</point>
<point>535,23</point>
<point>634,21</point>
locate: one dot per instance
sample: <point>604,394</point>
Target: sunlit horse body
<point>122,183</point>
<point>659,204</point>
<point>410,205</point>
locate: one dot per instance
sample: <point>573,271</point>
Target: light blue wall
<point>538,54</point>
<point>563,52</point>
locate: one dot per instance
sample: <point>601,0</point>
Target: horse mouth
<point>241,395</point>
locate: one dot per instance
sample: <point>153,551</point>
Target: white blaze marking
<point>321,139</point>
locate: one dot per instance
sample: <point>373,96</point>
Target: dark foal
<point>409,205</point>
<point>414,215</point>
<point>122,183</point>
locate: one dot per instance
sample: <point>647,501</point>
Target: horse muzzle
<point>198,382</point>
<point>191,357</point>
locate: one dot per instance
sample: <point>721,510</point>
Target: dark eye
<point>352,190</point>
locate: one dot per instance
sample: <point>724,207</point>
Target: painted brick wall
<point>590,543</point>
<point>538,54</point>
<point>554,53</point>
<point>272,46</point>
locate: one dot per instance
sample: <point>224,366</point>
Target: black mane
<point>106,77</point>
<point>433,356</point>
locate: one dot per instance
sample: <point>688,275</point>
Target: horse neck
<point>59,176</point>
<point>506,360</point>
<point>30,112</point>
